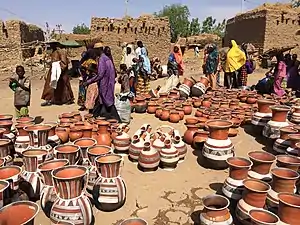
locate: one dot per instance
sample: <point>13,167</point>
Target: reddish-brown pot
<point>191,121</point>
<point>187,108</point>
<point>174,117</point>
<point>251,99</point>
<point>279,113</point>
<point>264,105</point>
<point>255,192</point>
<point>206,103</point>
<point>189,82</point>
<point>289,208</point>
<point>163,96</point>
<point>75,134</point>
<point>294,139</point>
<point>158,112</point>
<point>6,124</point>
<point>188,136</point>
<point>285,131</point>
<point>263,217</point>
<point>20,128</point>
<point>238,167</point>
<point>198,113</point>
<point>284,180</point>
<point>204,80</point>
<point>262,161</point>
<point>200,136</point>
<point>87,131</point>
<point>152,107</point>
<point>63,134</point>
<point>218,129</point>
<point>103,137</point>
<point>288,161</point>
<point>77,116</point>
<point>181,113</point>
<point>165,114</point>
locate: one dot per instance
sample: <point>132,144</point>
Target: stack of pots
<point>282,143</point>
<point>295,118</point>
<point>264,113</point>
<point>185,88</point>
<point>200,87</point>
<point>294,148</point>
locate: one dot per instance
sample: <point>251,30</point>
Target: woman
<point>235,60</point>
<point>293,74</point>
<point>279,75</point>
<point>243,75</point>
<point>129,56</point>
<point>211,65</point>
<point>92,89</point>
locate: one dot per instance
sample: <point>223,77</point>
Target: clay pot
<point>187,108</point>
<point>198,113</point>
<point>103,137</point>
<point>141,105</point>
<point>251,99</point>
<point>284,180</point>
<point>174,117</point>
<point>6,117</point>
<point>23,212</point>
<point>189,134</point>
<point>189,82</point>
<point>206,103</point>
<point>134,221</point>
<point>63,134</point>
<point>77,116</point>
<point>279,113</point>
<point>294,139</point>
<point>84,144</point>
<point>20,128</point>
<point>264,105</point>
<point>165,115</point>
<point>2,162</point>
<point>25,120</point>
<point>218,129</point>
<point>70,152</point>
<point>181,113</point>
<point>204,80</point>
<point>285,131</point>
<point>233,132</point>
<point>262,161</point>
<point>191,121</point>
<point>75,134</point>
<point>215,210</point>
<point>67,115</point>
<point>98,150</point>
<point>200,137</point>
<point>255,192</point>
<point>238,167</point>
<point>288,161</point>
<point>243,97</point>
<point>289,208</point>
<point>4,193</point>
<point>263,217</point>
<point>174,94</point>
<point>152,107</point>
<point>66,126</point>
<point>158,112</point>
<point>6,124</point>
<point>236,122</point>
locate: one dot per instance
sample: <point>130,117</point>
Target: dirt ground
<point>161,198</point>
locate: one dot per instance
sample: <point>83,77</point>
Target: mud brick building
<point>268,26</point>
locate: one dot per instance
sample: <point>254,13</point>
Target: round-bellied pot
<point>63,134</point>
<point>254,197</point>
<point>84,144</point>
<point>282,143</point>
<point>238,171</point>
<point>263,217</point>
<point>188,136</point>
<point>134,221</point>
<point>149,158</point>
<point>152,107</point>
<point>198,89</point>
<point>262,162</point>
<point>289,208</point>
<point>108,168</point>
<point>69,152</point>
<point>199,138</point>
<point>288,161</point>
<point>48,194</point>
<point>24,213</point>
<point>174,116</point>
<point>284,180</point>
<point>122,140</point>
<point>294,140</point>
<point>71,202</point>
<point>136,146</point>
<point>4,193</point>
<point>216,211</point>
<point>103,137</point>
<point>165,114</point>
<point>191,121</point>
<point>218,129</point>
<point>75,133</point>
<point>169,156</point>
<point>141,105</point>
<point>187,108</point>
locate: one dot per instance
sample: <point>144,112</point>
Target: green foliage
<point>210,26</point>
<point>195,27</point>
<point>81,29</point>
<point>296,3</point>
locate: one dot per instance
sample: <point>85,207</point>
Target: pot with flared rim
<point>262,161</point>
<point>6,117</point>
<point>134,221</point>
<point>109,166</point>
<point>84,144</point>
<point>263,217</point>
<point>289,208</point>
<point>279,113</point>
<point>286,131</point>
<point>4,195</point>
<point>98,150</point>
<point>238,167</point>
<point>294,139</point>
<point>68,151</point>
<point>288,161</point>
<point>284,180</point>
<point>218,129</point>
<point>264,105</point>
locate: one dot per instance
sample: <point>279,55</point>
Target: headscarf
<point>146,60</point>
<point>212,59</point>
<point>236,58</point>
<point>178,57</point>
<point>107,52</point>
<point>123,46</point>
<point>129,57</point>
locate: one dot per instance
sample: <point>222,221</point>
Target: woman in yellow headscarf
<point>235,60</point>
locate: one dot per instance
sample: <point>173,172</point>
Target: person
<point>126,79</point>
<point>105,79</point>
<point>211,65</point>
<point>293,81</point>
<point>22,91</point>
<point>123,46</point>
<point>63,93</point>
<point>143,84</point>
<point>107,52</point>
<point>279,75</point>
<point>235,60</point>
<point>196,50</point>
<point>92,89</point>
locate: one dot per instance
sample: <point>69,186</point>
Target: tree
<point>210,26</point>
<point>296,3</point>
<point>178,15</point>
<point>81,29</point>
<point>195,28</point>
<point>219,29</point>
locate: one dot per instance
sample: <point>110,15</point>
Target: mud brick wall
<point>152,31</point>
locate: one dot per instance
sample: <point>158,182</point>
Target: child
<point>21,86</point>
<point>126,79</point>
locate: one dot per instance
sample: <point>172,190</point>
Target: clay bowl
<point>134,221</point>
<point>6,117</point>
<point>191,121</point>
<point>263,217</point>
<point>233,132</point>
<point>288,161</point>
<point>289,207</point>
<point>25,120</point>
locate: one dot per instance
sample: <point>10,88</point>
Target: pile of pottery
<point>163,147</point>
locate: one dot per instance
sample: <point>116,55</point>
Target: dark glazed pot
<point>218,129</point>
<point>289,208</point>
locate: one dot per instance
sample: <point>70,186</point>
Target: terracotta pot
<point>158,112</point>
<point>181,113</point>
<point>251,99</point>
<point>70,152</point>
<point>187,108</point>
<point>4,193</point>
<point>174,94</point>
<point>263,217</point>
<point>6,124</point>
<point>284,180</point>
<point>264,105</point>
<point>134,221</point>
<point>238,167</point>
<point>98,150</point>
<point>189,82</point>
<point>189,134</point>
<point>255,192</point>
<point>165,115</point>
<point>24,213</point>
<point>23,120</point>
<point>262,161</point>
<point>103,137</point>
<point>87,131</point>
<point>233,132</point>
<point>199,138</point>
<point>67,115</point>
<point>285,131</point>
<point>198,113</point>
<point>294,140</point>
<point>63,134</point>
<point>236,122</point>
<point>152,107</point>
<point>218,129</point>
<point>215,210</point>
<point>20,129</point>
<point>2,162</point>
<point>289,208</point>
<point>279,113</point>
<point>206,103</point>
<point>6,117</point>
<point>288,161</point>
<point>84,144</point>
<point>174,117</point>
<point>191,121</point>
<point>204,80</point>
<point>141,105</point>
<point>75,134</point>
<point>77,116</point>
<point>163,96</point>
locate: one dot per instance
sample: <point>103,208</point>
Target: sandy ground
<point>161,198</point>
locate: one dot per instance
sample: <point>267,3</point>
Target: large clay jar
<point>134,221</point>
<point>4,193</point>
<point>294,139</point>
<point>63,134</point>
<point>5,151</point>
<point>179,145</point>
<point>262,162</point>
<point>94,152</point>
<point>233,186</point>
<point>263,217</point>
<point>122,140</point>
<point>71,205</point>
<point>87,131</point>
<point>103,137</point>
<point>108,168</point>
<point>69,152</point>
<point>84,144</point>
<point>48,194</point>
<point>165,114</point>
<point>23,213</point>
<point>279,113</point>
<point>158,112</point>
<point>218,129</point>
<point>30,181</point>
<point>215,211</point>
<point>174,116</point>
<point>188,136</point>
<point>149,158</point>
<point>284,180</point>
<point>75,134</point>
<point>289,208</point>
<point>141,105</point>
<point>169,156</point>
<point>288,161</point>
<point>254,197</point>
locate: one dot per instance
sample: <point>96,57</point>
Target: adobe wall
<point>247,27</point>
<point>154,32</point>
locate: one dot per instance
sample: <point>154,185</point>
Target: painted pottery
<point>279,113</point>
<point>179,145</point>
<point>103,137</point>
<point>288,161</point>
<point>169,156</point>
<point>134,221</point>
<point>262,162</point>
<point>136,146</point>
<point>108,168</point>
<point>282,143</point>
<point>284,180</point>
<point>71,205</point>
<point>84,144</point>
<point>122,140</point>
<point>188,136</point>
<point>4,194</point>
<point>184,91</point>
<point>53,139</point>
<point>75,134</point>
<point>21,213</point>
<point>254,197</point>
<point>30,181</point>
<point>149,158</point>
<point>238,171</point>
<point>198,89</point>
<point>189,82</point>
<point>48,194</point>
<point>216,211</point>
<point>263,217</point>
<point>69,152</point>
<point>289,208</point>
<point>5,152</point>
<point>141,105</point>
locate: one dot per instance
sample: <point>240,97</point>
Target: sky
<point>72,12</point>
